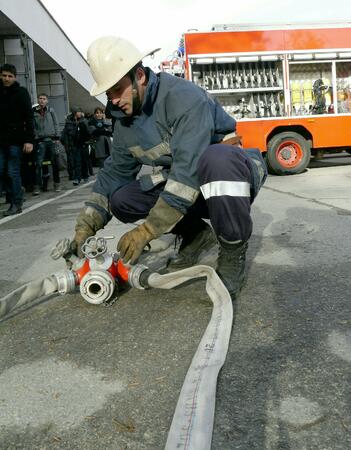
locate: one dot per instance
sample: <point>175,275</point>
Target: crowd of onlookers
<point>33,149</point>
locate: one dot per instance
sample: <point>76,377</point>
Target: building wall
<point>45,58</point>
<point>34,20</point>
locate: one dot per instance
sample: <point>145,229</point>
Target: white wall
<point>33,19</point>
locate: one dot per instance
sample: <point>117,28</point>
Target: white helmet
<point>110,58</point>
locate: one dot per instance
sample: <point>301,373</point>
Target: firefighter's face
<point>123,93</point>
<point>8,78</point>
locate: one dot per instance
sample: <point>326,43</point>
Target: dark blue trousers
<point>10,164</point>
<point>229,181</point>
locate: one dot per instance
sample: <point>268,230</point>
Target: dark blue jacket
<point>178,121</point>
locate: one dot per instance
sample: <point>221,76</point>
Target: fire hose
<point>98,276</point>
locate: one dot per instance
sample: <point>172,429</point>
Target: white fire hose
<point>26,294</point>
<point>192,423</point>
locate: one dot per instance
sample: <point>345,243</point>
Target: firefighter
<point>168,122</point>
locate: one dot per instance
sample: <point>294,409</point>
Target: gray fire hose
<point>192,424</point>
<point>26,294</point>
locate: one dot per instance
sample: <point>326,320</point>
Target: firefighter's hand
<point>132,243</point>
<point>27,147</point>
<point>78,240</point>
<point>89,221</point>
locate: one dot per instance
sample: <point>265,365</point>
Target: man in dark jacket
<point>75,137</point>
<point>166,121</point>
<point>16,134</point>
<point>46,127</point>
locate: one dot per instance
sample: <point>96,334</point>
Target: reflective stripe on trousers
<point>225,181</point>
<point>231,188</point>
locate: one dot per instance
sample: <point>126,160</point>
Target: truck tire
<point>288,153</point>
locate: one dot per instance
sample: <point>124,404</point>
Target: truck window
<point>311,90</point>
<point>343,86</point>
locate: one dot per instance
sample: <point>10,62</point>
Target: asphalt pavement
<point>79,376</point>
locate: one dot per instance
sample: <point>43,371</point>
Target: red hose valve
<point>98,274</point>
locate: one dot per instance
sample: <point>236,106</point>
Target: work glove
<point>89,221</point>
<point>80,236</point>
<point>132,243</point>
<point>161,219</point>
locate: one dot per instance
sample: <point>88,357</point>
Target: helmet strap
<point>136,99</point>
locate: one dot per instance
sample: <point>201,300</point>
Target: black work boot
<point>195,240</point>
<point>231,265</point>
<point>13,209</point>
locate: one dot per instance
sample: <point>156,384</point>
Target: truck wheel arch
<point>303,131</point>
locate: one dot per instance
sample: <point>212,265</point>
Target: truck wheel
<point>348,150</point>
<point>288,153</point>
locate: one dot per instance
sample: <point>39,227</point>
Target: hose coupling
<point>97,286</point>
<point>138,275</point>
<point>66,281</point>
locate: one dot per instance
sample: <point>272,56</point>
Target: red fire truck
<point>289,88</point>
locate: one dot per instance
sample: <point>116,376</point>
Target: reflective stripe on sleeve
<point>231,188</point>
<point>152,153</point>
<point>181,190</point>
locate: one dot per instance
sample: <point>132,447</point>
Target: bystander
<point>75,137</point>
<point>16,135</point>
<point>101,132</point>
<point>46,138</point>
